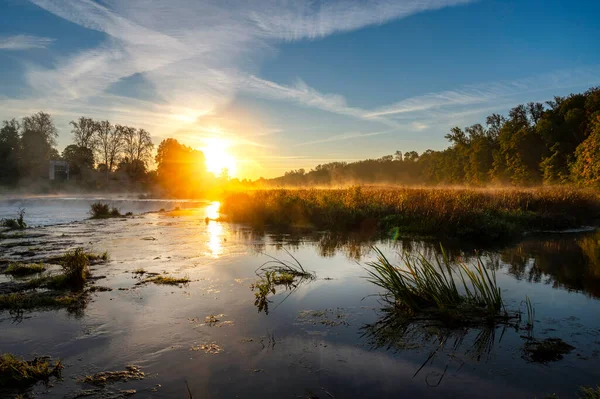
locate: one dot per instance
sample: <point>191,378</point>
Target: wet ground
<point>318,340</point>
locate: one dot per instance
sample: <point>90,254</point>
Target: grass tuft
<point>18,373</point>
<point>433,289</point>
<point>99,210</point>
<point>24,269</point>
<point>276,272</point>
<point>17,223</point>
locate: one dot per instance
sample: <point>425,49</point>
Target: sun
<point>218,158</point>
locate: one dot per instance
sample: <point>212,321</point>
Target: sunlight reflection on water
<point>215,230</point>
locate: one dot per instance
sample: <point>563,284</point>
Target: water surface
<point>319,340</point>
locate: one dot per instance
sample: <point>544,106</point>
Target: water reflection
<point>570,262</point>
<point>215,240</point>
<point>565,261</point>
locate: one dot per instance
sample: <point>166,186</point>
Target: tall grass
<point>435,289</point>
<point>447,212</point>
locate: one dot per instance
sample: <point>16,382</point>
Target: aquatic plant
<point>18,301</point>
<point>589,392</point>
<point>75,265</point>
<point>24,269</point>
<point>131,372</point>
<point>276,272</point>
<point>473,214</point>
<point>167,280</point>
<point>18,373</point>
<point>17,223</point>
<point>431,289</point>
<point>99,210</point>
<point>546,350</point>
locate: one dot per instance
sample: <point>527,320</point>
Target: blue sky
<point>291,84</point>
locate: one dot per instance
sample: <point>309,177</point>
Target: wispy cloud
<point>345,136</point>
<point>488,92</point>
<point>198,55</point>
<point>24,42</point>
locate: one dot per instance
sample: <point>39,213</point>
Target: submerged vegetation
<point>16,373</point>
<point>276,272</point>
<point>167,280</point>
<point>52,290</point>
<point>24,269</point>
<point>546,350</point>
<point>471,214</point>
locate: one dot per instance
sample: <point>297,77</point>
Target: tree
<point>137,145</point>
<point>37,141</point>
<point>110,144</point>
<point>85,133</point>
<point>181,171</point>
<point>586,168</point>
<point>10,150</point>
<point>79,158</point>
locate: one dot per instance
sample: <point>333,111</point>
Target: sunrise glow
<point>218,158</point>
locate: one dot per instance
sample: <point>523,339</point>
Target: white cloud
<point>198,54</point>
<point>24,42</point>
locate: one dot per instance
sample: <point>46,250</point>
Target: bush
<point>99,210</point>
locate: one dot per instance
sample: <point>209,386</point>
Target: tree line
<point>100,150</point>
<point>557,142</point>
<point>104,156</point>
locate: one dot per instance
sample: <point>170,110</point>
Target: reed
<point>477,214</point>
<point>423,288</point>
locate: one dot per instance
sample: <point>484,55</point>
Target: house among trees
<point>58,170</point>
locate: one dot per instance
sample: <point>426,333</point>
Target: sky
<point>292,84</point>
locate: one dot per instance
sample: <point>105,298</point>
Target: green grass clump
<point>461,213</point>
<point>18,373</point>
<point>434,290</point>
<point>166,280</point>
<point>24,269</point>
<point>18,301</point>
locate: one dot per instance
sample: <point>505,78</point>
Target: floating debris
<point>131,372</point>
<point>211,348</point>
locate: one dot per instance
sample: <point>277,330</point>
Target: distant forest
<point>557,142</point>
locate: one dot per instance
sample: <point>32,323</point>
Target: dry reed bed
<point>439,212</point>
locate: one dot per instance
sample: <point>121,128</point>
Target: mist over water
<point>52,210</point>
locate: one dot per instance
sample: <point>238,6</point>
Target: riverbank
<point>466,214</point>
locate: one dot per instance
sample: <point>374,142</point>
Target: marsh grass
<point>460,213</point>
<point>99,210</point>
<point>433,289</point>
<point>589,392</point>
<point>131,372</point>
<point>167,280</point>
<point>17,223</point>
<point>24,269</point>
<point>18,301</point>
<point>18,373</point>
